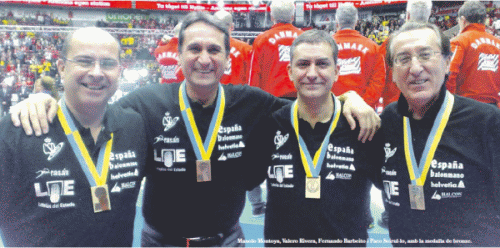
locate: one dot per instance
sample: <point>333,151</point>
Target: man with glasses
<point>76,185</point>
<point>440,172</point>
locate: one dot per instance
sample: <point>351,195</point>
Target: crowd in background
<point>27,56</point>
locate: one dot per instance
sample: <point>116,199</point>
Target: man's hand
<point>34,113</point>
<point>356,107</point>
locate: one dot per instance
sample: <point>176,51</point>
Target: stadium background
<point>32,33</point>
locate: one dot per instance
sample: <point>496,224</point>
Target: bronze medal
<point>100,198</point>
<point>203,171</point>
<point>417,200</point>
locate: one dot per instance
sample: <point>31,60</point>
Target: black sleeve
<point>7,164</point>
<point>494,145</point>
<point>259,153</point>
<point>269,102</point>
<point>131,100</point>
<point>375,158</point>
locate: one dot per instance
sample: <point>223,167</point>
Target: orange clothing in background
<point>362,67</point>
<point>270,57</point>
<point>390,93</point>
<point>239,63</point>
<point>474,66</point>
<point>167,56</point>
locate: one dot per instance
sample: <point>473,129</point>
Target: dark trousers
<point>151,237</point>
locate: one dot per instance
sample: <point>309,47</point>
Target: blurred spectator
<point>5,98</point>
<point>474,71</point>
<point>360,65</point>
<point>238,66</point>
<point>46,85</point>
<point>271,52</point>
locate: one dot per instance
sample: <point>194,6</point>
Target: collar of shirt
<point>203,115</point>
<point>103,137</point>
<point>431,113</point>
<point>282,24</point>
<point>475,27</point>
<point>347,32</point>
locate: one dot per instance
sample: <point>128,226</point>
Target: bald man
<point>47,183</point>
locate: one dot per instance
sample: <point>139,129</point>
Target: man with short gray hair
<point>271,52</point>
<point>474,71</point>
<point>418,10</point>
<point>361,66</point>
<point>237,68</point>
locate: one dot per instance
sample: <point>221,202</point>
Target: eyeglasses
<point>423,57</point>
<point>87,63</point>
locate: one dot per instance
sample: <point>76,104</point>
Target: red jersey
<point>362,68</point>
<point>474,66</point>
<point>168,56</point>
<point>270,57</point>
<point>391,92</point>
<point>239,63</point>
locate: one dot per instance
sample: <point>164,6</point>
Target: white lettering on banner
<point>487,62</point>
<point>170,156</point>
<point>349,66</point>
<point>234,155</point>
<point>397,204</point>
<point>447,165</point>
<point>167,140</point>
<point>282,157</point>
<point>222,138</point>
<point>121,175</point>
<point>231,129</point>
<point>335,157</point>
<point>486,41</point>
<point>122,165</point>
<point>122,156</point>
<point>389,173</point>
<point>280,172</point>
<point>338,149</point>
<point>353,46</point>
<point>53,173</point>
<point>55,189</point>
<point>448,185</point>
<point>391,188</point>
<point>281,35</point>
<point>344,176</point>
<point>231,146</point>
<point>117,188</point>
<point>340,166</point>
<point>446,175</point>
<point>284,53</point>
<point>443,195</point>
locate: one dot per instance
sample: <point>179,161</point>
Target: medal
<point>100,198</point>
<point>203,171</point>
<point>203,151</point>
<point>96,175</point>
<point>417,197</point>
<point>313,187</point>
<point>313,167</point>
<point>418,173</point>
